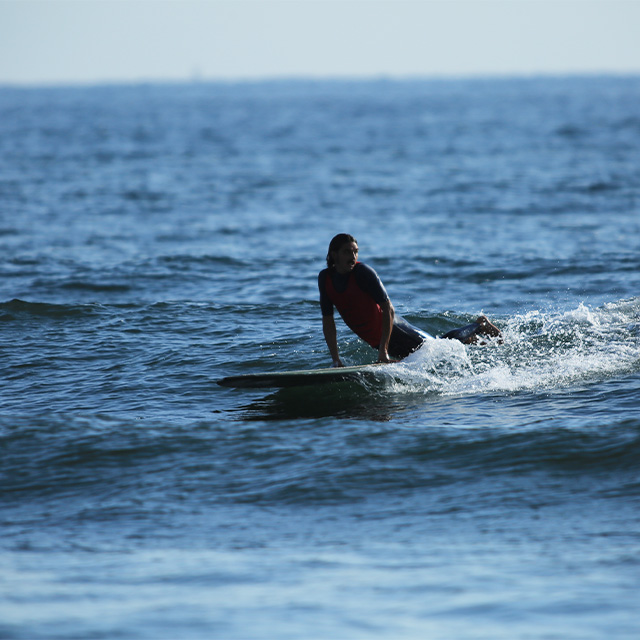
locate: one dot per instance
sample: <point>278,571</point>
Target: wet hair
<point>336,243</point>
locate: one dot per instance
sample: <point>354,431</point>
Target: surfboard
<point>302,377</point>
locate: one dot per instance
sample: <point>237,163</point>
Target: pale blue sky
<point>52,41</point>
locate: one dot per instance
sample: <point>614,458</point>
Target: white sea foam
<point>541,350</point>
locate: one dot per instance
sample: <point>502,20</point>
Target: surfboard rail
<point>300,377</point>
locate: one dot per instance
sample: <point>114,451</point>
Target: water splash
<point>541,351</point>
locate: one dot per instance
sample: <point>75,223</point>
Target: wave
<point>311,461</point>
<point>102,458</point>
<point>20,308</point>
<point>389,462</point>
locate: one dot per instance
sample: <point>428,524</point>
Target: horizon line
<point>196,79</point>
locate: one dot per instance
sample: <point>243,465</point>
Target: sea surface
<point>155,238</point>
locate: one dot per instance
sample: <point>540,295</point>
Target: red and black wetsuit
<point>358,296</point>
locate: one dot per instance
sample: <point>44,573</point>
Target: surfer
<point>355,289</point>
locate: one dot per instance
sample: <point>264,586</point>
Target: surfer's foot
<point>486,328</point>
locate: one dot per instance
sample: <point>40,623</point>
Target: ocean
<point>157,237</point>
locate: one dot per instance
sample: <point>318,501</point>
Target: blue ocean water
<point>155,238</point>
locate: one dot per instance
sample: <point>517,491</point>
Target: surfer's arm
<point>330,336</point>
<point>388,314</point>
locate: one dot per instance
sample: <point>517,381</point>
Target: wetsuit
<point>359,296</point>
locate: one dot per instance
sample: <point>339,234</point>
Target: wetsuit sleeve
<point>370,283</point>
<point>326,305</point>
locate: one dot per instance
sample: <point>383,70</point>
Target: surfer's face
<point>345,257</point>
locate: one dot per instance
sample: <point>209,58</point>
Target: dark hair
<point>336,243</point>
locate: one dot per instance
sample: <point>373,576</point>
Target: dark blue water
<point>156,238</point>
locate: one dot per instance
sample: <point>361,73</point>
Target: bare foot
<point>487,328</point>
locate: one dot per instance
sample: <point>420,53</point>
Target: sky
<point>96,41</point>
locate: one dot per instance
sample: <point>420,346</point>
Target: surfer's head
<point>343,252</point>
